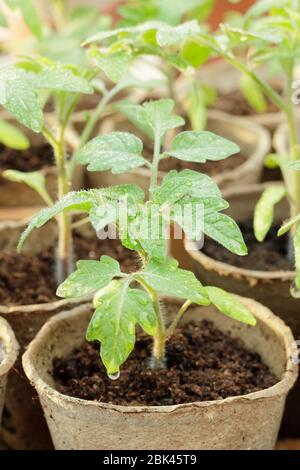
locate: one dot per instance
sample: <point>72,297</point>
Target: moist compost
<point>202,364</point>
<point>26,279</point>
<point>33,159</point>
<point>234,102</point>
<point>269,255</point>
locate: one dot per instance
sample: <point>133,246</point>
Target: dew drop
<point>114,376</point>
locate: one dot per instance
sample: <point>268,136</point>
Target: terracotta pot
<point>270,288</point>
<point>23,424</point>
<point>9,349</point>
<point>225,79</point>
<point>222,7</point>
<point>18,194</point>
<point>244,422</point>
<point>252,138</point>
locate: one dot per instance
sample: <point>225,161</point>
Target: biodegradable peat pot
<point>23,424</point>
<point>253,140</point>
<point>281,139</point>
<point>19,194</point>
<point>271,288</point>
<point>226,80</point>
<point>9,349</point>
<point>244,422</point>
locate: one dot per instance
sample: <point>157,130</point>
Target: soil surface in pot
<point>202,364</point>
<point>32,159</point>
<point>234,103</point>
<point>270,255</point>
<point>26,280</point>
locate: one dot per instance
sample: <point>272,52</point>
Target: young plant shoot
<point>27,89</point>
<point>122,300</point>
<point>268,35</point>
<point>175,50</point>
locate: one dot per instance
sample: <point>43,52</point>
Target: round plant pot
<point>270,288</point>
<point>19,194</point>
<point>9,349</point>
<point>281,139</point>
<point>23,424</point>
<point>243,422</point>
<point>226,79</point>
<point>253,140</point>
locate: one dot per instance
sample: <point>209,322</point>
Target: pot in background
<point>243,422</point>
<point>226,79</point>
<point>23,426</point>
<point>271,288</point>
<point>9,349</point>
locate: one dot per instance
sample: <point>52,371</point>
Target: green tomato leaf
<point>194,52</point>
<point>118,309</point>
<point>188,213</point>
<point>239,36</point>
<point>199,147</point>
<point>81,201</point>
<point>118,151</point>
<point>103,215</point>
<point>18,95</point>
<point>224,230</point>
<point>152,116</point>
<point>170,35</point>
<point>177,185</point>
<point>61,79</point>
<point>12,137</point>
<point>114,65</point>
<point>123,32</point>
<point>148,231</point>
<point>288,225</point>
<point>119,204</point>
<point>167,278</point>
<point>264,210</point>
<point>228,304</point>
<point>34,180</point>
<point>89,277</point>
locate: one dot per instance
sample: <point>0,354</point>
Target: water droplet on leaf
<point>114,376</point>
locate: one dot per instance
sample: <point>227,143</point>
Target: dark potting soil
<point>32,159</point>
<point>270,255</point>
<point>26,279</point>
<point>202,364</point>
<point>234,103</point>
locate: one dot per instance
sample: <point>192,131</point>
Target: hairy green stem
<point>173,326</point>
<point>92,121</point>
<point>264,86</point>
<point>155,161</point>
<point>65,247</point>
<point>159,343</point>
